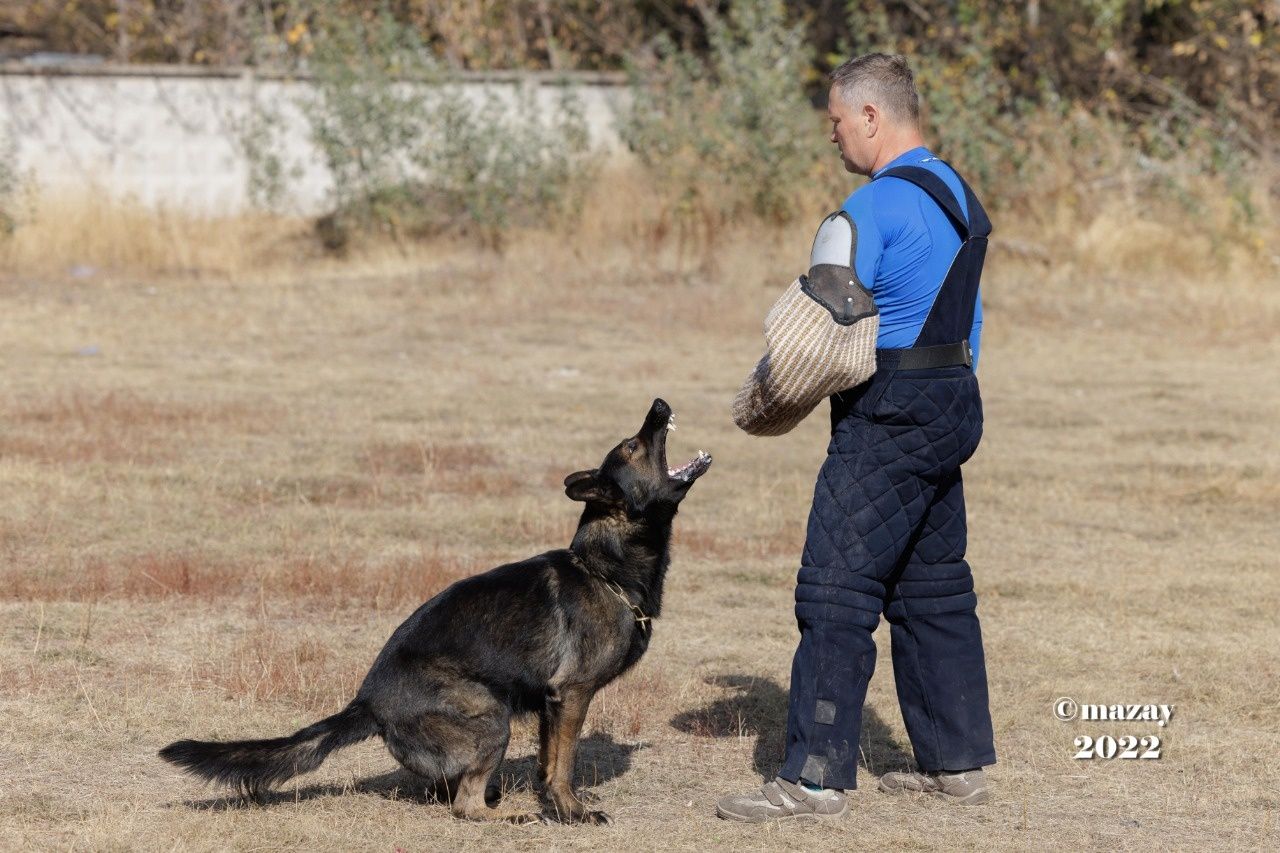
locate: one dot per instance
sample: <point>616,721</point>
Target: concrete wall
<point>170,136</point>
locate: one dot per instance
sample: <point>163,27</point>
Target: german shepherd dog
<point>539,636</point>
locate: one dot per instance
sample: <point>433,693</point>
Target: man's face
<point>853,132</point>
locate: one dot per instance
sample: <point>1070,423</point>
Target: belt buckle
<point>968,354</point>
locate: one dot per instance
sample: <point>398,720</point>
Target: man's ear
<point>584,486</point>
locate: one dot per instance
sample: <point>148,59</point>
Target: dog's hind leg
<point>460,774</point>
<point>428,747</point>
<point>471,801</point>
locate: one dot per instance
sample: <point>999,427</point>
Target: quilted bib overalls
<point>886,532</point>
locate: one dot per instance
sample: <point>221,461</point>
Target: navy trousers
<point>886,533</point>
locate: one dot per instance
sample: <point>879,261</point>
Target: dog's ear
<point>585,486</point>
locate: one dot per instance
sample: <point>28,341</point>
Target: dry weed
<point>179,560</point>
<point>121,426</point>
<point>312,581</point>
<point>268,666</point>
<point>79,235</point>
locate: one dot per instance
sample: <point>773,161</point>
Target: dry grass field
<point>220,492</point>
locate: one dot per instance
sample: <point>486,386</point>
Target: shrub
<point>502,164</point>
<point>367,109</point>
<point>727,131</point>
<point>408,151</point>
<point>9,185</point>
<point>1034,99</point>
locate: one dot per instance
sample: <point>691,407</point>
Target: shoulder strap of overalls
<point>975,225</point>
<point>950,319</point>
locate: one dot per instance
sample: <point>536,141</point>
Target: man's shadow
<point>758,707</point>
<point>599,760</point>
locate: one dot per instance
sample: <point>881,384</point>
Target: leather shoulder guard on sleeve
<point>821,338</point>
<point>832,281</point>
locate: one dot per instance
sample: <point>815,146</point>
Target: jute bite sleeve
<point>820,337</point>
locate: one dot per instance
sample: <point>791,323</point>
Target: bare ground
<point>219,497</point>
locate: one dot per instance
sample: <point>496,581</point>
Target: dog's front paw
<point>575,811</point>
<point>525,819</point>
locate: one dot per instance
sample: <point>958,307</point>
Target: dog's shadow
<point>600,759</point>
<point>758,707</point>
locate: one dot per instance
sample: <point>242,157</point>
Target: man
<point>886,531</point>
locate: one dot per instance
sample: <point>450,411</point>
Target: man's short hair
<point>881,79</point>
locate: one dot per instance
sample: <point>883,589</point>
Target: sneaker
<point>967,789</point>
<point>783,800</point>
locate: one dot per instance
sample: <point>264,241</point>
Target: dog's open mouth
<point>691,470</point>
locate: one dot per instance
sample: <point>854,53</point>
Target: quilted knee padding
<point>845,599</point>
<point>935,577</point>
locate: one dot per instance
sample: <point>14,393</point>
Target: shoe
<point>967,789</point>
<point>783,800</point>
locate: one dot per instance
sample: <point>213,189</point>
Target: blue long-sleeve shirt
<point>905,246</point>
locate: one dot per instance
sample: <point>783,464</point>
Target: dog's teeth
<point>671,424</point>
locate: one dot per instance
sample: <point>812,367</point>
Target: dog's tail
<point>252,766</point>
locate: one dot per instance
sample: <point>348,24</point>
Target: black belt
<point>920,358</point>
